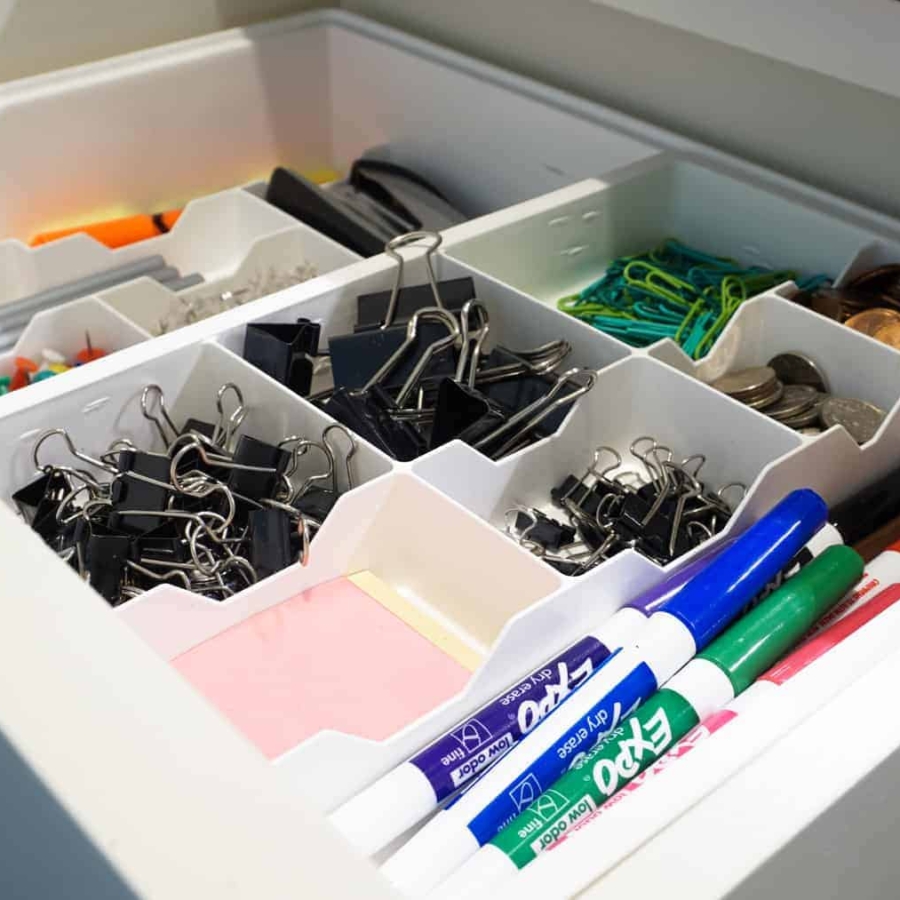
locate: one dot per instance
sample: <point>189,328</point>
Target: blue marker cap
<point>655,598</point>
<point>710,600</point>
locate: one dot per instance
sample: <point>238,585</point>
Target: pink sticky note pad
<point>331,657</point>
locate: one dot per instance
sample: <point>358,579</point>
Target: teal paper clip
<point>673,291</point>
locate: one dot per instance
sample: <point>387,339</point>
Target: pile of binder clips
<point>214,513</point>
<point>661,512</point>
<point>417,370</point>
<point>673,292</point>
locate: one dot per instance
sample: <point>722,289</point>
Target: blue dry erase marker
<point>670,638</point>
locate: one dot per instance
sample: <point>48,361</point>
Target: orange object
<point>89,354</point>
<point>20,378</point>
<point>117,232</point>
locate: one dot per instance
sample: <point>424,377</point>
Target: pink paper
<point>331,657</point>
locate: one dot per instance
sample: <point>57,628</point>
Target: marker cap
<point>653,599</point>
<point>707,603</point>
<point>769,630</point>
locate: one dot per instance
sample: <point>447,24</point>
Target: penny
<point>796,368</point>
<point>871,320</point>
<point>746,382</point>
<point>795,399</point>
<point>885,279</point>
<point>827,302</point>
<point>861,419</point>
<point>889,334</point>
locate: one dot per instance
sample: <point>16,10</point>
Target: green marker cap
<point>759,639</point>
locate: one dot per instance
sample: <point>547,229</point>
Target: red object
<point>20,379</point>
<point>89,354</point>
<point>814,648</point>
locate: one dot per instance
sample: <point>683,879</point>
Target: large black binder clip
<point>284,351</point>
<point>358,357</point>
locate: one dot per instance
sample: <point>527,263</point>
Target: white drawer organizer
<point>144,766</point>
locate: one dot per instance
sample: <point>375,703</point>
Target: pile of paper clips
<point>673,292</point>
<point>663,512</point>
<point>213,514</point>
<point>417,371</point>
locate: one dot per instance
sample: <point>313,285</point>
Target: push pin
<point>25,368</point>
<point>89,353</point>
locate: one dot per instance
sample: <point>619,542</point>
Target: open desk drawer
<point>797,797</point>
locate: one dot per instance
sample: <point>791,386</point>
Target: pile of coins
<point>791,389</point>
<point>869,303</point>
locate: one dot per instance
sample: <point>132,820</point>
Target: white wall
<point>830,133</point>
<point>40,35</point>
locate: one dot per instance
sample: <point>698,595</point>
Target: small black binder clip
<point>142,484</point>
<point>256,467</point>
<point>546,531</point>
<point>105,557</point>
<point>39,500</point>
<point>270,541</point>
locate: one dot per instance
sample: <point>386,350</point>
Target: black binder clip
<point>142,484</point>
<point>374,416</point>
<point>284,351</point>
<point>256,467</point>
<point>105,556</point>
<point>461,411</point>
<point>270,541</point>
<point>357,357</point>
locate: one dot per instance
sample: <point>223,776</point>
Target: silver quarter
<point>861,419</point>
<point>796,400</point>
<point>762,401</point>
<point>797,368</point>
<point>746,382</point>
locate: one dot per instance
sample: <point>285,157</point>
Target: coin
<point>884,279</point>
<point>827,302</point>
<point>889,334</point>
<point>797,368</point>
<point>762,401</point>
<point>746,382</point>
<point>861,419</point>
<point>796,399</point>
<point>803,420</point>
<point>869,321</point>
